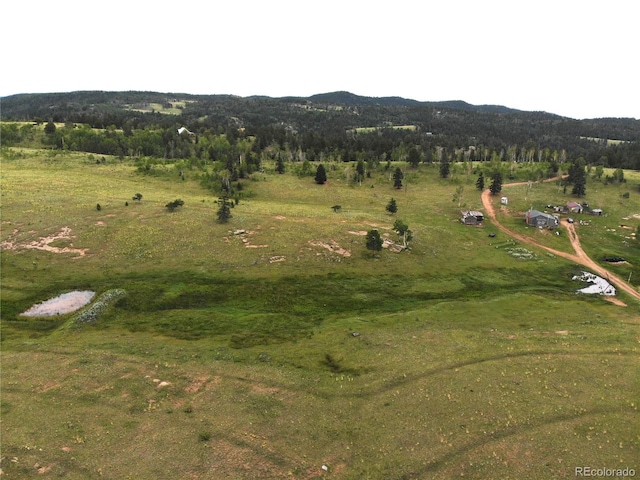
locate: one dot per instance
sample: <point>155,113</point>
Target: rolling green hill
<point>277,346</point>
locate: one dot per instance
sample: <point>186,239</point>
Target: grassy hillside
<point>276,344</point>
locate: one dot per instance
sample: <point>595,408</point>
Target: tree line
<point>317,128</point>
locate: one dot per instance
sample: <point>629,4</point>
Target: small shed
<point>504,201</point>
<point>574,207</point>
<point>471,217</point>
<point>536,218</point>
<point>596,211</point>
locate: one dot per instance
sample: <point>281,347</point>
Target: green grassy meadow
<point>276,344</point>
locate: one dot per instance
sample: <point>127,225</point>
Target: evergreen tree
<point>374,241</point>
<point>280,165</point>
<point>480,182</point>
<point>618,175</point>
<point>445,166</point>
<point>360,170</point>
<point>224,209</point>
<point>392,206</point>
<point>321,175</point>
<point>397,178</point>
<point>496,183</point>
<point>578,177</point>
<point>50,128</point>
<point>580,184</point>
<point>414,157</point>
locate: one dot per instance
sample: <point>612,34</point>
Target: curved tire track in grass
<point>401,381</point>
<point>436,465</point>
<point>580,257</point>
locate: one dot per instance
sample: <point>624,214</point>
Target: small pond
<point>65,303</point>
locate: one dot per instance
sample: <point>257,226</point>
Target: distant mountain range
<point>347,98</point>
<point>456,124</point>
<point>10,107</point>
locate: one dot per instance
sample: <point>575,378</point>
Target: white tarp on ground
<point>600,285</point>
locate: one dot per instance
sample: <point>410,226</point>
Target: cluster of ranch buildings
<point>535,218</point>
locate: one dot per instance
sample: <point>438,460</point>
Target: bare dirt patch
<point>196,385</point>
<point>244,237</point>
<point>44,243</point>
<point>332,246</point>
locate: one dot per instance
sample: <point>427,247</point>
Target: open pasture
<point>276,344</point>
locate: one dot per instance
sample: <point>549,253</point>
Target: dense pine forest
<point>336,126</point>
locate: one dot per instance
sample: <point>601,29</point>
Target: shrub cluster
<point>92,313</point>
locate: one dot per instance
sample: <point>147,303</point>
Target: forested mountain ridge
<point>332,120</point>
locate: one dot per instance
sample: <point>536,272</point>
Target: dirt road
<point>579,257</point>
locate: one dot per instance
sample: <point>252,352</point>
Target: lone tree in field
<point>172,206</point>
<point>480,182</point>
<point>374,241</point>
<point>402,229</point>
<point>397,178</point>
<point>392,206</point>
<point>496,183</point>
<point>137,196</point>
<point>321,175</point>
<point>50,128</point>
<point>445,166</point>
<point>458,195</point>
<point>578,177</point>
<point>360,171</point>
<point>224,209</point>
<point>414,157</point>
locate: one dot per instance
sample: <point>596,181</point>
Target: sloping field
<point>277,346</point>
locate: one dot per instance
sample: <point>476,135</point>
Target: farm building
<point>471,217</point>
<point>596,211</point>
<point>536,218</point>
<point>504,201</point>
<point>574,207</point>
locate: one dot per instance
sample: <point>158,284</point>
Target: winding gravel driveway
<point>579,257</point>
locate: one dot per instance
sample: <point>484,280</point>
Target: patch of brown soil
<point>47,386</point>
<point>43,470</point>
<point>44,243</point>
<point>244,237</point>
<point>333,247</point>
<point>614,300</point>
<point>213,382</point>
<point>196,385</point>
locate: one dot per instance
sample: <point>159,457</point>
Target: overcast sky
<point>575,59</point>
